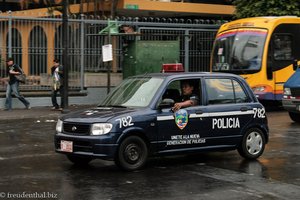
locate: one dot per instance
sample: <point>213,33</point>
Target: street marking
<point>25,156</point>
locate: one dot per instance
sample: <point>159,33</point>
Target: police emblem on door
<point>181,118</point>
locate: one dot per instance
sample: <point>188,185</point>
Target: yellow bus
<point>263,50</point>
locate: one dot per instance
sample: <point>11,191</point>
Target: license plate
<point>66,146</point>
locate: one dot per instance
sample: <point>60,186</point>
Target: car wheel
<point>79,160</point>
<point>294,116</point>
<point>132,153</point>
<point>253,144</point>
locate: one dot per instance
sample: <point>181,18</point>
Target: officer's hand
<point>176,107</point>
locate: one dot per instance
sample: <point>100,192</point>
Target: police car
<point>137,121</point>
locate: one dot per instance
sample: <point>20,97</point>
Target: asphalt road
<point>30,169</point>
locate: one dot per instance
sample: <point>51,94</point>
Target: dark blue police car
<point>136,121</point>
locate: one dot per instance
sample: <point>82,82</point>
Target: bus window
<point>283,47</point>
<point>239,50</point>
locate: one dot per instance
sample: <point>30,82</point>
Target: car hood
<point>294,80</point>
<point>97,114</point>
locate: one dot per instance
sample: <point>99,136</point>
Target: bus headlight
<point>101,128</point>
<point>259,89</point>
<point>287,91</point>
<point>59,126</point>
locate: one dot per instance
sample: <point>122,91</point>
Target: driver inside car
<point>188,96</point>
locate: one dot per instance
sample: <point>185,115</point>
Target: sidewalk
<point>37,112</point>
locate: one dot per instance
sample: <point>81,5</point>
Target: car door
<point>229,111</point>
<point>184,130</point>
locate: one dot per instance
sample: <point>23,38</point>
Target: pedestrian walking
<point>13,85</point>
<point>57,86</point>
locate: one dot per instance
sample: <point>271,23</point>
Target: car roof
<point>188,75</point>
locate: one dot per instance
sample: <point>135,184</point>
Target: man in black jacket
<point>13,85</point>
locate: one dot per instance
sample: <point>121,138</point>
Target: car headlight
<point>101,128</point>
<point>59,126</point>
<point>287,91</point>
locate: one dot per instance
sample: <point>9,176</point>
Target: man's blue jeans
<point>15,89</point>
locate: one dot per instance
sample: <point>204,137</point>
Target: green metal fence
<point>34,42</point>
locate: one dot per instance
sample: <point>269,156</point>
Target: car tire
<point>132,153</point>
<point>79,160</point>
<point>294,116</point>
<point>253,144</point>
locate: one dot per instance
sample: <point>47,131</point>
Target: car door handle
<point>244,109</point>
<point>199,112</point>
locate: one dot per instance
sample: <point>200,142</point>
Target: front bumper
<point>91,146</point>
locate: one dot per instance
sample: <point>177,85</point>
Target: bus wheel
<point>79,160</point>
<point>294,116</point>
<point>253,144</point>
<point>132,154</point>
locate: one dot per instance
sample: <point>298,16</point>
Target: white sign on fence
<point>107,53</point>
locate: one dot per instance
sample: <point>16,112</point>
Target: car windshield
<point>133,92</point>
<point>239,51</point>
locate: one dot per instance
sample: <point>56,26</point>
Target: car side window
<point>240,95</point>
<point>174,90</point>
<point>224,91</point>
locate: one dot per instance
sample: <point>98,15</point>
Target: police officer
<point>189,98</point>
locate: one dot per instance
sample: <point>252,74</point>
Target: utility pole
<point>113,9</point>
<point>109,64</point>
<point>109,33</point>
<point>65,33</point>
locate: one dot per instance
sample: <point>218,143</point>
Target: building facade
<point>34,36</point>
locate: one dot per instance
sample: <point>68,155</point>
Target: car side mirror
<point>167,103</point>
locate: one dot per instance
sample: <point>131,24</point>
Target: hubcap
<point>132,153</point>
<point>254,143</point>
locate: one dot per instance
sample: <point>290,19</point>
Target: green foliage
<point>255,8</point>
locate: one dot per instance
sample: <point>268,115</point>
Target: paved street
<point>29,166</point>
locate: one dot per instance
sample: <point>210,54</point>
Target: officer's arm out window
<point>188,95</point>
